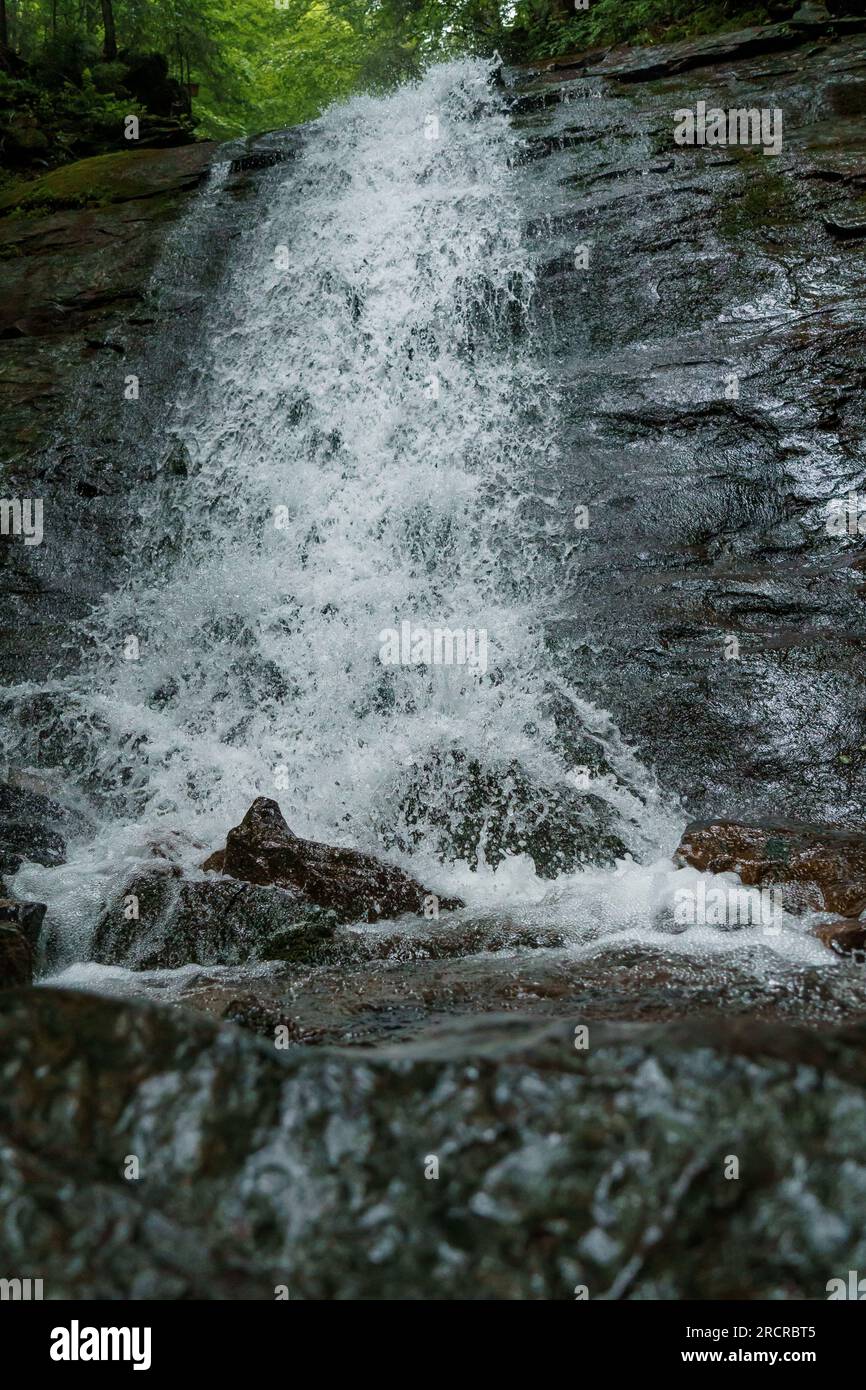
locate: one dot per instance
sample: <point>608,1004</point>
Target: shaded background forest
<point>71,70</point>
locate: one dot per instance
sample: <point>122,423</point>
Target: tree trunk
<point>109,47</point>
<point>4,26</point>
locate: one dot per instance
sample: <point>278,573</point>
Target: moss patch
<point>93,183</point>
<point>761,201</point>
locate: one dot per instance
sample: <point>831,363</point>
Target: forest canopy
<point>248,65</point>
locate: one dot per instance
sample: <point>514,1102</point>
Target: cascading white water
<point>370,440</point>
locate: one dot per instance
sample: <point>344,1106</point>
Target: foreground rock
<point>160,920</point>
<point>355,886</point>
<point>20,924</point>
<point>822,867</point>
<point>256,1165</point>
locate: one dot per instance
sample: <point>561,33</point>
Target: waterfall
<point>365,439</point>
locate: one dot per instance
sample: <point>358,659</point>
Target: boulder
<point>28,829</point>
<point>809,14</point>
<point>147,78</point>
<point>457,805</point>
<point>258,1164</point>
<point>355,887</point>
<point>821,867</point>
<point>20,924</point>
<point>160,920</point>
<point>843,935</point>
<point>23,141</point>
<point>16,959</point>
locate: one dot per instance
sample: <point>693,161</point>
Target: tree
<point>109,47</point>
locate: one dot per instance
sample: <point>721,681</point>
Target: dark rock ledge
<point>635,64</point>
<point>102,279</point>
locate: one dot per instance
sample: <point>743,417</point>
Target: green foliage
<point>43,125</point>
<point>255,64</point>
<point>541,31</point>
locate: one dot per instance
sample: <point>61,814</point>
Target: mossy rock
<point>101,181</point>
<point>763,200</point>
<point>463,808</point>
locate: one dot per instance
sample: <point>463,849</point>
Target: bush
<point>108,78</point>
<point>62,107</point>
<point>63,58</point>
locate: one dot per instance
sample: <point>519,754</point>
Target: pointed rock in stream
<point>357,887</point>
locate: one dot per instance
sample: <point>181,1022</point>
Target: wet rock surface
<point>639,64</point>
<point>32,826</point>
<point>160,920</point>
<point>708,604</point>
<point>561,828</point>
<point>16,959</point>
<point>20,925</point>
<point>843,936</point>
<point>355,887</point>
<point>826,865</point>
<point>557,1167</point>
<point>83,312</point>
<point>73,275</point>
<point>406,993</point>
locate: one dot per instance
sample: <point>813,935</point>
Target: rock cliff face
<point>465,1106</point>
<point>711,363</point>
<point>104,286</point>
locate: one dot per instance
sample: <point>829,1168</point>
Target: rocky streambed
<point>585,1061</point>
